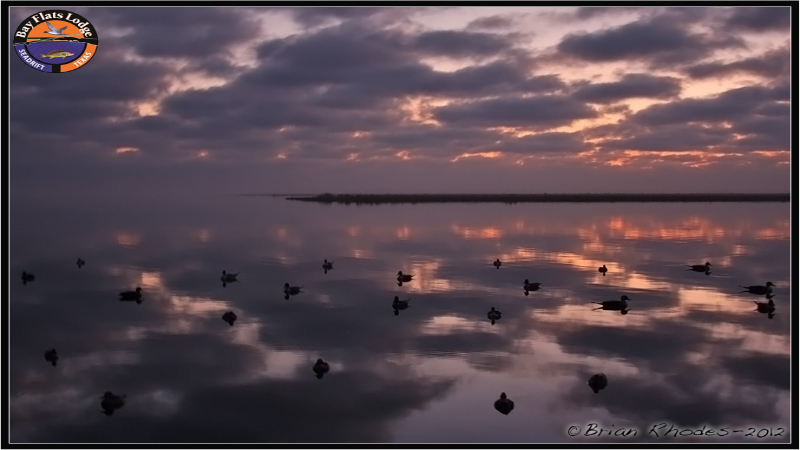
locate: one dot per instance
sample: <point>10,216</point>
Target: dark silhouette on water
<point>701,267</point>
<point>26,277</point>
<point>764,307</point>
<point>51,356</point>
<point>530,287</point>
<point>229,317</point>
<point>228,278</point>
<point>603,270</point>
<point>759,290</point>
<point>135,295</point>
<point>536,198</point>
<point>494,315</point>
<point>620,305</point>
<point>399,305</point>
<point>327,265</point>
<point>111,402</point>
<point>598,382</point>
<point>80,263</point>
<point>403,278</point>
<point>497,263</point>
<point>291,290</point>
<point>321,368</point>
<point>504,404</point>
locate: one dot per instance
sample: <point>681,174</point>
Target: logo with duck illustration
<point>55,41</point>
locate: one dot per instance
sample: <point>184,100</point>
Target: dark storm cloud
<point>771,65</point>
<point>729,105</point>
<point>759,19</point>
<point>672,137</point>
<point>630,86</point>
<point>659,40</point>
<point>461,44</point>
<point>313,16</point>
<point>536,111</point>
<point>491,22</point>
<point>553,142</point>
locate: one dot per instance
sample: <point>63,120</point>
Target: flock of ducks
<point>111,402</point>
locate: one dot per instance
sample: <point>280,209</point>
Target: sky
<point>410,100</point>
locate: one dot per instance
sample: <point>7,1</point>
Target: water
<point>692,351</point>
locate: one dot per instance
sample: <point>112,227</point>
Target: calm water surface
<point>692,351</point>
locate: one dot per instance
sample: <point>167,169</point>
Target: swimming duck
<point>401,278</point>
<point>762,307</point>
<point>229,317</point>
<point>530,286</point>
<point>26,277</point>
<point>327,265</point>
<point>759,290</point>
<point>291,290</point>
<point>494,315</point>
<point>51,356</point>
<point>615,305</point>
<point>321,368</point>
<point>111,402</point>
<point>603,270</point>
<point>131,295</point>
<point>498,263</point>
<point>700,267</point>
<point>400,304</point>
<point>504,404</point>
<point>598,382</point>
<point>80,263</point>
<point>228,277</point>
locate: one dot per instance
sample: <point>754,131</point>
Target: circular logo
<point>55,41</point>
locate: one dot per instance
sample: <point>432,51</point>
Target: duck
<point>504,404</point>
<point>80,263</point>
<point>615,305</point>
<point>131,295</point>
<point>291,290</point>
<point>228,277</point>
<point>111,402</point>
<point>26,277</point>
<point>51,356</point>
<point>700,267</point>
<point>603,270</point>
<point>759,290</point>
<point>327,265</point>
<point>401,278</point>
<point>497,263</point>
<point>762,307</point>
<point>530,286</point>
<point>598,382</point>
<point>229,317</point>
<point>321,368</point>
<point>494,315</point>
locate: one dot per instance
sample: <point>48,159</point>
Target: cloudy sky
<point>505,99</point>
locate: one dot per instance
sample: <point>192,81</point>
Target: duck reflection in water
<point>229,317</point>
<point>494,315</point>
<point>51,356</point>
<point>327,265</point>
<point>504,404</point>
<point>291,290</point>
<point>620,305</point>
<point>401,278</point>
<point>598,382</point>
<point>399,305</point>
<point>131,296</point>
<point>111,402</point>
<point>321,368</point>
<point>762,307</point>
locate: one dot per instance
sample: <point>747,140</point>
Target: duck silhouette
<point>80,263</point>
<point>51,356</point>
<point>494,315</point>
<point>321,368</point>
<point>701,267</point>
<point>766,307</point>
<point>27,277</point>
<point>131,295</point>
<point>291,290</point>
<point>228,278</point>
<point>111,402</point>
<point>603,270</point>
<point>598,382</point>
<point>229,317</point>
<point>327,265</point>
<point>620,305</point>
<point>530,287</point>
<point>399,305</point>
<point>401,278</point>
<point>497,263</point>
<point>504,404</point>
<point>759,290</point>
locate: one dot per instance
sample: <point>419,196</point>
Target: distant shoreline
<point>536,198</point>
